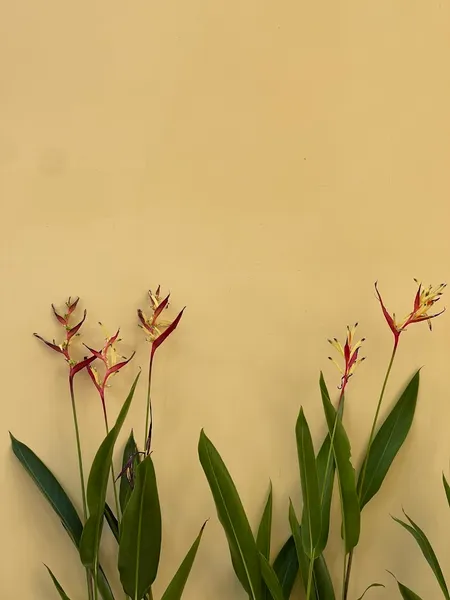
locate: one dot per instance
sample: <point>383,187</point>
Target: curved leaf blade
<point>176,587</point>
<point>311,517</point>
<point>388,441</point>
<point>406,593</point>
<point>350,511</point>
<point>270,579</point>
<point>265,527</point>
<point>242,545</point>
<point>446,488</point>
<point>140,534</point>
<point>427,551</point>
<point>372,585</point>
<point>112,521</point>
<point>97,486</point>
<point>57,585</point>
<point>130,453</point>
<point>286,566</point>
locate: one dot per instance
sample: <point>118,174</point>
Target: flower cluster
<point>349,353</point>
<point>157,329</point>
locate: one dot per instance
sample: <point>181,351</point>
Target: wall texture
<point>267,161</point>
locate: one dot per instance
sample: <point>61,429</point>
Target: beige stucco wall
<point>266,161</point>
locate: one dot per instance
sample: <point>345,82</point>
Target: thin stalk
<point>333,435</point>
<point>113,475</point>
<point>80,467</point>
<point>366,460</point>
<point>96,581</point>
<point>344,575</point>
<point>310,576</point>
<point>149,412</point>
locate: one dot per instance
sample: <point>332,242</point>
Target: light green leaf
<point>242,545</point>
<point>54,493</point>
<point>345,472</point>
<point>140,533</point>
<point>130,453</point>
<point>311,517</point>
<point>270,579</point>
<point>286,566</point>
<point>61,592</point>
<point>372,585</point>
<point>388,441</point>
<point>446,488</point>
<point>97,486</point>
<point>406,593</point>
<point>427,551</point>
<point>176,586</point>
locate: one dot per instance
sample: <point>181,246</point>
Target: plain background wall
<point>267,161</point>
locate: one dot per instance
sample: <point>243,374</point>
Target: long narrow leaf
<point>270,579</point>
<point>130,460</point>
<point>140,534</point>
<point>177,585</point>
<point>372,585</point>
<point>265,527</point>
<point>427,551</point>
<point>58,586</point>
<point>303,560</point>
<point>311,518</point>
<point>97,486</point>
<point>286,566</point>
<point>322,579</point>
<point>345,472</point>
<point>112,521</point>
<point>446,488</point>
<point>242,545</point>
<point>388,441</point>
<point>53,491</point>
<point>406,593</point>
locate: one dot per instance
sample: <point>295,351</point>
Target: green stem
<point>80,467</point>
<point>366,460</point>
<point>310,576</point>
<point>149,413</point>
<point>344,592</point>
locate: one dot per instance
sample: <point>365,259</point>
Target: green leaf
<point>265,527</point>
<point>322,579</point>
<point>140,533</point>
<point>130,450</point>
<point>345,472</point>
<point>242,545</point>
<point>372,585</point>
<point>427,551</point>
<point>302,558</point>
<point>97,486</point>
<point>59,501</point>
<point>388,441</point>
<point>61,592</point>
<point>270,578</point>
<point>406,593</point>
<point>311,518</point>
<point>286,566</point>
<point>446,488</point>
<point>112,521</point>
<point>176,586</point>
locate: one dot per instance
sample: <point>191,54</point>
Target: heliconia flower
<point>424,300</point>
<point>157,329</point>
<point>349,352</point>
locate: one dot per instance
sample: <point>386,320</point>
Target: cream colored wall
<point>266,161</point>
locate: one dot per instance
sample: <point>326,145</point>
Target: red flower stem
<point>113,475</point>
<point>346,581</point>
<point>149,410</point>
<point>80,467</point>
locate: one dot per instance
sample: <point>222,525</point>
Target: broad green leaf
<point>311,517</point>
<point>388,441</point>
<point>97,486</point>
<point>345,472</point>
<point>446,488</point>
<point>270,579</point>
<point>130,453</point>
<point>372,585</point>
<point>59,501</point>
<point>322,579</point>
<point>427,551</point>
<point>140,533</point>
<point>242,545</point>
<point>112,521</point>
<point>286,566</point>
<point>176,586</point>
<point>406,593</point>
<point>57,585</point>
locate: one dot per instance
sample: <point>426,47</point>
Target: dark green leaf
<point>97,486</point>
<point>446,488</point>
<point>427,551</point>
<point>140,533</point>
<point>130,453</point>
<point>311,517</point>
<point>345,472</point>
<point>406,593</point>
<point>388,442</point>
<point>61,592</point>
<point>112,521</point>
<point>270,579</point>
<point>265,527</point>
<point>176,586</point>
<point>322,580</point>
<point>286,567</point>
<point>242,545</point>
<point>372,585</point>
<point>303,560</point>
